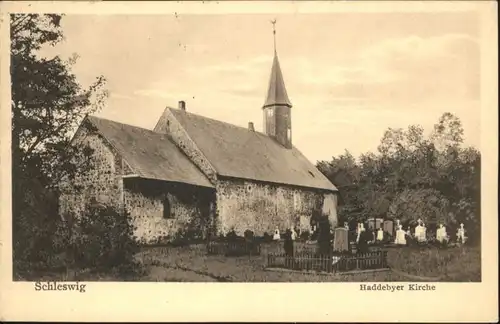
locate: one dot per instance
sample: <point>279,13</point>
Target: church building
<point>193,174</point>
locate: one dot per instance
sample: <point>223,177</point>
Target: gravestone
<point>441,235</point>
<point>341,240</point>
<point>420,232</point>
<point>423,233</point>
<point>276,235</point>
<point>389,227</point>
<point>359,231</point>
<point>400,236</point>
<point>380,234</point>
<point>370,223</point>
<point>374,223</point>
<point>461,234</point>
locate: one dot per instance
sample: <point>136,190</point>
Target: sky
<point>349,76</point>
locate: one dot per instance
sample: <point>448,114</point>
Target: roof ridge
<point>124,124</point>
<point>218,121</point>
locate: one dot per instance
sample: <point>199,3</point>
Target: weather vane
<point>274,32</point>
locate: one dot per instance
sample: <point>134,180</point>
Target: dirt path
<point>207,274</point>
<point>163,270</point>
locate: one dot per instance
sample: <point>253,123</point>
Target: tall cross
<point>274,33</point>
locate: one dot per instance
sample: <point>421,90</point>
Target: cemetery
<point>343,250</point>
<point>444,256</point>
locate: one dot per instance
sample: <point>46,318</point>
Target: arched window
<point>166,208</point>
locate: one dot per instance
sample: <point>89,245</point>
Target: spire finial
<point>274,33</point>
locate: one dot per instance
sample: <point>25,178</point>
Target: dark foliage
<point>249,235</point>
<point>305,235</point>
<point>233,237</point>
<point>324,236</point>
<point>410,177</point>
<point>234,245</point>
<point>267,237</point>
<point>288,243</point>
<point>47,104</point>
<point>102,240</point>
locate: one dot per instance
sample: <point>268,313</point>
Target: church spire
<point>276,93</point>
<point>277,108</point>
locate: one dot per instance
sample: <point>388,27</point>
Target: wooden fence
<point>234,248</point>
<point>364,261</point>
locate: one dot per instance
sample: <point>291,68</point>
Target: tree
<point>447,132</point>
<point>429,205</point>
<point>344,172</point>
<point>47,104</point>
<point>411,176</point>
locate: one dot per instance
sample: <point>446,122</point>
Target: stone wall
<point>144,200</point>
<point>102,181</point>
<point>168,124</point>
<point>260,207</point>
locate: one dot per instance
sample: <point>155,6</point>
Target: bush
<point>233,237</point>
<point>36,228</point>
<point>267,238</point>
<point>249,235</point>
<point>304,236</point>
<point>188,234</point>
<point>102,240</point>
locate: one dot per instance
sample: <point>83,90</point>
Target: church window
<point>270,112</point>
<point>289,134</point>
<point>167,213</point>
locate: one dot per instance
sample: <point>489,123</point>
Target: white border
<point>343,302</point>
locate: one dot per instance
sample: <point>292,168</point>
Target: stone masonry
<point>169,125</point>
<point>243,204</point>
<point>145,202</point>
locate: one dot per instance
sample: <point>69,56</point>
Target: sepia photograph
<point>251,147</point>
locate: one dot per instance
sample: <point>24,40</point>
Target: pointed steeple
<point>276,93</point>
<point>277,108</point>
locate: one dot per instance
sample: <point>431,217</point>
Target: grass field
<point>192,264</point>
<point>461,264</point>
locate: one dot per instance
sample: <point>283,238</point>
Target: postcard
<point>249,161</point>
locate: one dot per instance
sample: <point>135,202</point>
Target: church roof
<point>150,154</point>
<point>276,93</point>
<point>241,153</point>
